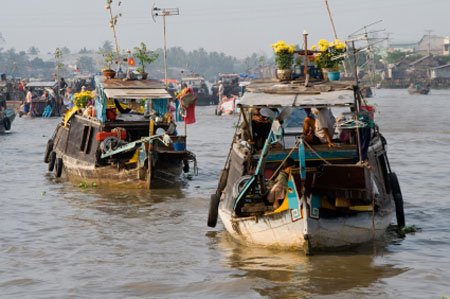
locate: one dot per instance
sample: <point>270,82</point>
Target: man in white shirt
<point>325,126</point>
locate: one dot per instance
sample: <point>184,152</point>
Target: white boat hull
<point>279,230</point>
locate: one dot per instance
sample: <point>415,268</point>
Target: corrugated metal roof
<point>332,98</point>
<point>42,84</point>
<point>137,93</point>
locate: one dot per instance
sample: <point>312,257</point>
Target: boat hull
<point>281,231</point>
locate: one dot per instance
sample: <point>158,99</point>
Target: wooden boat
<point>7,116</point>
<point>333,198</point>
<point>198,85</point>
<point>420,90</point>
<point>39,105</point>
<point>227,106</point>
<point>103,146</point>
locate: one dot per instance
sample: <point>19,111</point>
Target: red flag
<point>131,62</point>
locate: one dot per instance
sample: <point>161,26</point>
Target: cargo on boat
<point>337,193</point>
<point>198,85</point>
<point>126,136</point>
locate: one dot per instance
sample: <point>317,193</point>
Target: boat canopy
<point>260,93</point>
<point>128,93</point>
<point>332,98</point>
<point>42,84</point>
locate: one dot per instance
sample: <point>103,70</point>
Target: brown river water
<point>58,240</point>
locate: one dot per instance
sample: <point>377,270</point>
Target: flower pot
<point>284,74</point>
<point>143,75</point>
<point>109,74</point>
<point>333,76</point>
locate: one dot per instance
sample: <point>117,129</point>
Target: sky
<point>235,27</point>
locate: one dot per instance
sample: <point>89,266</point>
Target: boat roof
<point>273,93</point>
<point>50,84</point>
<point>192,78</point>
<point>133,89</point>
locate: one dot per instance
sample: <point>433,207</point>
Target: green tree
<point>65,51</point>
<point>107,46</point>
<point>33,50</point>
<point>394,56</point>
<point>86,64</point>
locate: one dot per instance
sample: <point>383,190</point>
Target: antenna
<point>156,12</point>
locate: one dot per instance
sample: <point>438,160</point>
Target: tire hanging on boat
<point>398,199</point>
<point>48,150</point>
<point>213,210</point>
<point>7,123</point>
<point>58,167</point>
<point>51,161</point>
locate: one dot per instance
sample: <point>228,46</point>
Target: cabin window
<point>86,139</point>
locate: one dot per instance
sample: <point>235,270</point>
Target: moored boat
<point>336,196</point>
<point>127,137</point>
<point>7,116</point>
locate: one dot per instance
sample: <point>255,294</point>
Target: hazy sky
<point>235,27</point>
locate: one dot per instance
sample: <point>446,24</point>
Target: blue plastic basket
<point>178,146</point>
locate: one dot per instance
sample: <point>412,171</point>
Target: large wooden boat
<point>137,146</point>
<point>334,198</point>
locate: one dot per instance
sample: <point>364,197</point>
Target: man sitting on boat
<point>309,127</point>
<point>278,189</point>
<point>324,124</point>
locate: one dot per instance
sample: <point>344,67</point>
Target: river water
<point>58,240</point>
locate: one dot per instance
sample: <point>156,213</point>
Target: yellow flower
<point>340,46</point>
<point>313,47</point>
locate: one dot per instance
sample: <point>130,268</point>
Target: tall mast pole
<point>334,32</point>
<point>165,49</point>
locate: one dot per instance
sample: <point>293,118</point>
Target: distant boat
<point>418,90</point>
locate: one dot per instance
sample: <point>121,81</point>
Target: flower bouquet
<point>81,99</point>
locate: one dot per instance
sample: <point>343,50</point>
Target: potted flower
<point>144,56</point>
<point>108,72</point>
<point>330,58</point>
<point>284,57</point>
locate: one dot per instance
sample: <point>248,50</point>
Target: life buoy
<point>51,161</point>
<point>58,167</point>
<point>213,210</point>
<point>398,199</point>
<point>7,123</point>
<point>48,150</point>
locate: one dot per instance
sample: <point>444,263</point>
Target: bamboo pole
<point>334,32</point>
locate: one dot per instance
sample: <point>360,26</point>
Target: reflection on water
<point>58,240</point>
<point>292,274</point>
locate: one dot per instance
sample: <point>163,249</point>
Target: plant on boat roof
<point>112,24</point>
<point>82,98</point>
<point>109,59</point>
<point>284,55</point>
<point>144,56</point>
<point>331,55</point>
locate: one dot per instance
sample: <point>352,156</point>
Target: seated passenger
<point>324,124</point>
<point>261,128</point>
<point>309,128</point>
<point>278,189</point>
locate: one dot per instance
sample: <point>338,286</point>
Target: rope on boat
<point>285,159</point>
<point>316,153</point>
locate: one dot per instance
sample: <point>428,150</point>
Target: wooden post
<point>305,39</point>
